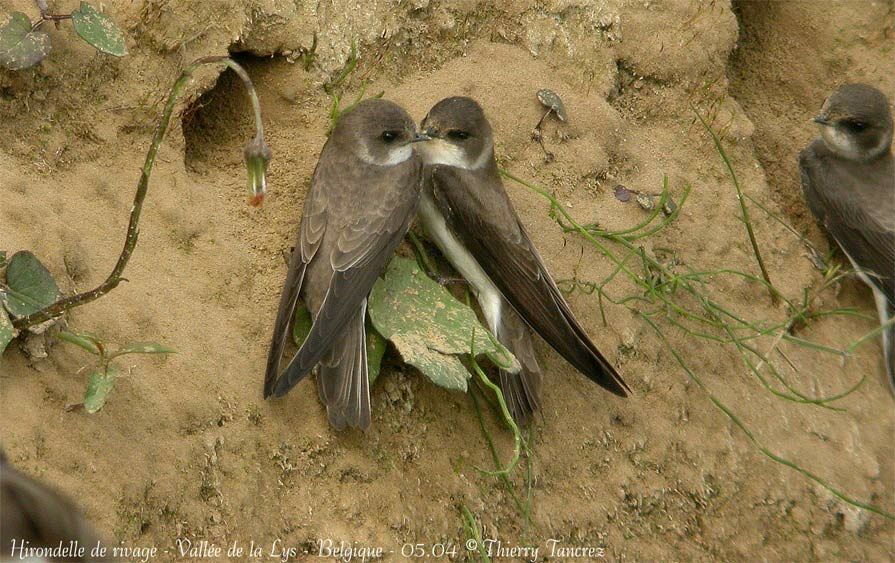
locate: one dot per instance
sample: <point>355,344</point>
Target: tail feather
<point>889,345</point>
<point>342,380</point>
<point>885,306</point>
<point>522,390</point>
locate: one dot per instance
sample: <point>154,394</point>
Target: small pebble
<point>645,201</point>
<point>622,193</point>
<point>670,207</point>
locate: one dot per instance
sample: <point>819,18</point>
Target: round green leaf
<point>428,326</point>
<point>20,47</point>
<point>99,30</point>
<point>98,388</point>
<point>7,332</point>
<point>31,287</point>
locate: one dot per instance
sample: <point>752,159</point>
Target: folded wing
<point>484,220</point>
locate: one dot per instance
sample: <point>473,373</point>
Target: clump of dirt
<point>187,448</point>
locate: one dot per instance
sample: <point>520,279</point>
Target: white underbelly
<point>878,296</point>
<point>487,294</point>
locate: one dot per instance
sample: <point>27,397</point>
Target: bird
<point>465,211</point>
<point>848,180</point>
<point>364,195</point>
<point>35,517</point>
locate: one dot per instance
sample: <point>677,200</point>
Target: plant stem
<point>508,419</point>
<point>752,438</point>
<point>422,257</point>
<point>44,17</point>
<point>472,530</point>
<point>133,229</point>
<point>742,202</point>
<point>715,311</point>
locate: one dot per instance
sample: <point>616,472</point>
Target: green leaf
<point>20,47</point>
<point>428,326</point>
<point>445,370</point>
<point>98,388</point>
<point>301,326</point>
<point>143,348</point>
<point>376,344</point>
<point>99,30</point>
<point>7,332</point>
<point>85,340</point>
<point>31,287</point>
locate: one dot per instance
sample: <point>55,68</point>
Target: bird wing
<point>480,214</point>
<point>36,514</point>
<point>310,235</point>
<point>860,221</point>
<point>356,255</point>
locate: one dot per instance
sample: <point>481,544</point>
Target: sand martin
<point>35,516</point>
<point>465,210</point>
<point>363,197</point>
<point>848,177</point>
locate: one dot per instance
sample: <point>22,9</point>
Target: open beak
<point>418,137</point>
<point>821,119</point>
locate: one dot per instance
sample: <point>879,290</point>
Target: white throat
<point>843,145</point>
<point>396,155</point>
<point>439,151</point>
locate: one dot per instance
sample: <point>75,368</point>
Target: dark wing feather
<point>310,235</point>
<point>854,218</point>
<point>35,513</point>
<point>362,250</point>
<point>343,382</point>
<point>521,390</point>
<point>482,217</point>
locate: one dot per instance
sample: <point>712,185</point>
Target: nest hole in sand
<point>217,125</point>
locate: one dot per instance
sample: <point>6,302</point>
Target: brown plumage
<point>467,212</point>
<point>34,515</point>
<point>364,194</point>
<point>848,178</point>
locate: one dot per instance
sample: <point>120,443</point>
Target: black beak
<point>821,119</point>
<point>418,137</point>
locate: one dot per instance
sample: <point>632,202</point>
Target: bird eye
<point>854,126</point>
<point>389,136</point>
<point>458,135</point>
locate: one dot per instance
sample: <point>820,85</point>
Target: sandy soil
<point>186,447</point>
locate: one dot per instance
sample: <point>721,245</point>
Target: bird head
<point>378,131</point>
<point>460,132</point>
<point>856,123</point>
